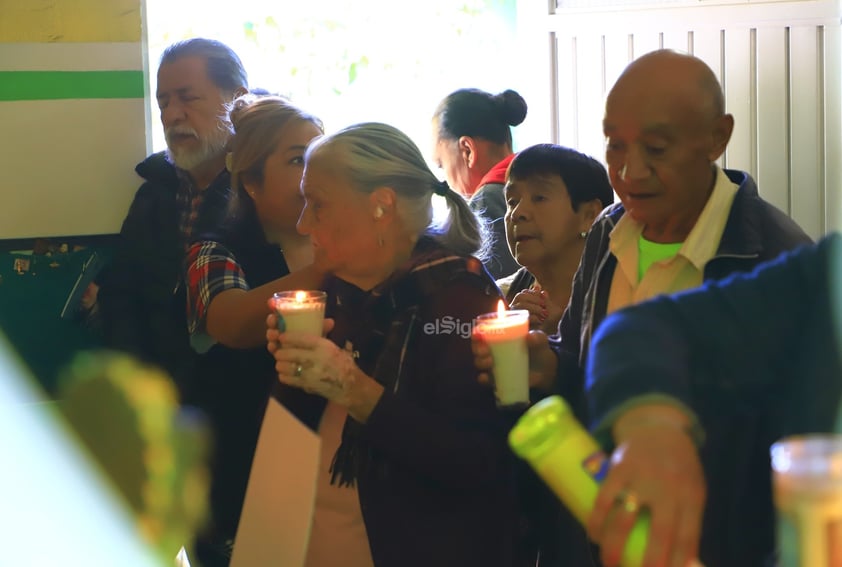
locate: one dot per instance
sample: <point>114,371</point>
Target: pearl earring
<point>583,234</point>
<point>378,212</point>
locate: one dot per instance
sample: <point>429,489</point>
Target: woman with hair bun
<point>472,144</point>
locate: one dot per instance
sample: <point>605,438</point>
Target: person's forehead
<point>536,182</point>
<point>183,73</point>
<point>446,154</point>
<point>652,99</point>
<point>437,149</point>
<point>292,144</point>
<point>297,131</point>
<point>312,182</point>
<point>322,170</point>
<point>655,114</point>
<point>326,187</point>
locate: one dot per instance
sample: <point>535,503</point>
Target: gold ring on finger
<point>628,501</point>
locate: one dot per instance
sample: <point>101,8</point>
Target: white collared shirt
<point>683,271</point>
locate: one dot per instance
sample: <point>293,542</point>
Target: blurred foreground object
<point>127,414</point>
<point>807,472</point>
<point>568,459</point>
<point>56,510</point>
<point>181,560</point>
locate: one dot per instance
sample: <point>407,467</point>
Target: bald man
<point>681,219</point>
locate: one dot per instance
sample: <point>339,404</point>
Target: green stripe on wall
<point>54,85</point>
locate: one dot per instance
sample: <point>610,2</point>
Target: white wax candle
<point>505,333</point>
<point>302,311</point>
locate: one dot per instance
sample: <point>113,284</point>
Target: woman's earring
<point>378,212</point>
<point>583,235</point>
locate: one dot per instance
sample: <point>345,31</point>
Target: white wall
<point>780,64</point>
<point>72,107</point>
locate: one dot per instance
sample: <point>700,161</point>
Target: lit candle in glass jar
<point>807,481</point>
<point>505,333</point>
<point>300,311</point>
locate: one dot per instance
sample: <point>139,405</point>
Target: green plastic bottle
<point>568,459</point>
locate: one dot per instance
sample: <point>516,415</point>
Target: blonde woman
<point>231,272</point>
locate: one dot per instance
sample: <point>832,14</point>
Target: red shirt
<point>496,174</point>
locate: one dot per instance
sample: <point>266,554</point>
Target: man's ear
<point>468,150</point>
<point>723,127</point>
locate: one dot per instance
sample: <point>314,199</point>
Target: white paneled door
<point>780,64</point>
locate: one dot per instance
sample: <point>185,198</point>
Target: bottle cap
<point>541,428</point>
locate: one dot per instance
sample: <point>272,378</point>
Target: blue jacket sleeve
<point>727,341</point>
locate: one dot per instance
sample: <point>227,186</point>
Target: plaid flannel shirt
<point>211,269</point>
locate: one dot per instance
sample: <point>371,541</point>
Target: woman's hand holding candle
<point>315,365</point>
<point>542,360</point>
<point>318,366</point>
<point>505,332</point>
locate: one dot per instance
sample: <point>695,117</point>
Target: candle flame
<point>300,296</point>
<point>501,308</point>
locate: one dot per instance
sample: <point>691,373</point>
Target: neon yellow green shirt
<point>650,252</point>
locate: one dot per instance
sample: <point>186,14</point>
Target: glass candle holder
<point>505,333</point>
<point>807,479</point>
<point>301,311</point>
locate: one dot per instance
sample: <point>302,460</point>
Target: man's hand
<point>656,466</point>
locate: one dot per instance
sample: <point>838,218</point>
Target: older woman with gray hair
<point>423,443</point>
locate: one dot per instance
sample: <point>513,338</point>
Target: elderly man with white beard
<point>185,191</point>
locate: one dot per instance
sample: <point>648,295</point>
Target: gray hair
<point>376,155</point>
<point>224,66</point>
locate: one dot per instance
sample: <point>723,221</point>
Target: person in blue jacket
<point>693,388</point>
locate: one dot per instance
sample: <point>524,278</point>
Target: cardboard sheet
<point>278,511</point>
